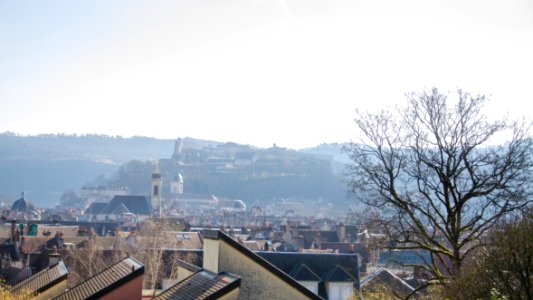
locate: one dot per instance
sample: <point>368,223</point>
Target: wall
<point>211,255</point>
<point>53,291</point>
<point>256,281</point>
<point>183,273</point>
<point>130,290</point>
<point>233,295</point>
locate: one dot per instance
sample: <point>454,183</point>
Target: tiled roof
<point>201,285</point>
<point>135,204</point>
<point>103,282</point>
<point>42,280</point>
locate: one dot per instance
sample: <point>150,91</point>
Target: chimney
<point>53,257</point>
<point>211,250</point>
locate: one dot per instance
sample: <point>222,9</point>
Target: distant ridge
<point>47,165</point>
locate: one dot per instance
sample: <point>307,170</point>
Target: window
<point>183,236</point>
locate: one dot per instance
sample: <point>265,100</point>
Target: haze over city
<point>266,149</point>
<point>257,72</point>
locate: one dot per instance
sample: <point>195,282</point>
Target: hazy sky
<point>251,71</point>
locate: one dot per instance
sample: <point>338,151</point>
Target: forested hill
<point>45,166</point>
<point>103,148</point>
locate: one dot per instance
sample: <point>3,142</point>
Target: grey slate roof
<point>201,285</point>
<point>136,204</point>
<point>13,275</point>
<point>323,265</point>
<point>105,281</point>
<point>95,207</point>
<point>120,209</point>
<point>302,272</point>
<point>338,274</point>
<point>384,276</point>
<point>42,280</point>
<point>319,263</point>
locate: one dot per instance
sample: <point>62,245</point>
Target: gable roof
<point>338,274</point>
<point>95,208</point>
<point>120,209</point>
<point>136,204</point>
<point>319,263</point>
<point>201,285</point>
<point>384,276</point>
<point>302,272</point>
<point>105,281</point>
<point>43,280</point>
<point>217,234</point>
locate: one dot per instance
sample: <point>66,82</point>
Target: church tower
<point>157,187</point>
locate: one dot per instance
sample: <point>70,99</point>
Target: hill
<point>45,166</point>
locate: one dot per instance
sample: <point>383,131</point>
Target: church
<point>176,202</point>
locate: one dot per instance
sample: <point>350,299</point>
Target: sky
<point>258,72</point>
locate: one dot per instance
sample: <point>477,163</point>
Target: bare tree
<point>152,248</point>
<point>89,260</point>
<point>503,268</point>
<point>441,174</point>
